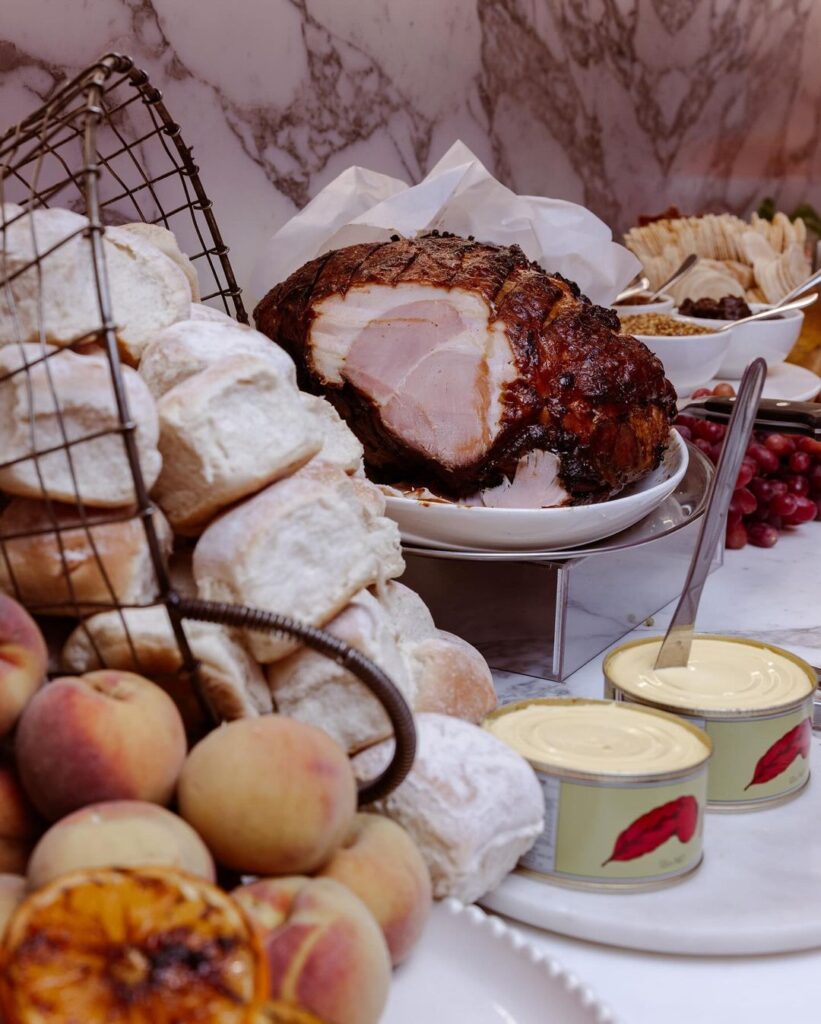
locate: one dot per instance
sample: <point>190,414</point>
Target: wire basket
<point>105,146</point>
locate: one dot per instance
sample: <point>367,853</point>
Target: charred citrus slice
<point>120,946</point>
<point>284,1013</point>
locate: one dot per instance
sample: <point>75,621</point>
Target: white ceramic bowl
<point>772,339</point>
<point>690,360</point>
<point>442,524</point>
<point>664,304</point>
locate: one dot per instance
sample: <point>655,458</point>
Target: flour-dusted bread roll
<point>73,393</point>
<point>226,433</point>
<point>451,677</point>
<point>339,443</point>
<point>166,242</point>
<point>106,562</point>
<point>233,682</point>
<point>202,311</point>
<point>302,547</point>
<point>316,690</point>
<point>191,346</point>
<point>148,290</point>
<point>408,612</point>
<point>473,805</point>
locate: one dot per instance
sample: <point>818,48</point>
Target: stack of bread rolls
<point>259,491</point>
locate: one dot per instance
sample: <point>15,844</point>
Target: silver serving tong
<point>765,314</point>
<point>675,649</point>
<point>640,286</point>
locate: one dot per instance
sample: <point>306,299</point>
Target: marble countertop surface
<point>773,595</point>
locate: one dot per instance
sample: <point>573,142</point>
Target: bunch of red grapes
<point>778,486</point>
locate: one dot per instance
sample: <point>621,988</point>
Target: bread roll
<point>339,443</point>
<point>106,562</point>
<point>232,681</point>
<point>226,433</point>
<point>317,690</point>
<point>148,290</point>
<point>408,612</point>
<point>73,393</point>
<point>166,242</point>
<point>201,311</point>
<point>451,677</point>
<point>473,805</point>
<point>302,547</point>
<point>191,346</point>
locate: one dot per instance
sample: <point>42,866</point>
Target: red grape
<point>743,501</point>
<point>736,536</point>
<point>762,489</point>
<point>703,446</point>
<point>686,421</point>
<point>778,443</point>
<point>806,510</point>
<point>796,483</point>
<point>762,535</point>
<point>768,461</point>
<point>733,518</point>
<point>745,474</point>
<point>783,504</point>
<point>800,462</point>
<point>809,445</point>
<point>771,519</point>
<point>702,393</point>
<point>815,478</point>
<point>778,487</point>
<point>685,432</point>
<point>709,431</point>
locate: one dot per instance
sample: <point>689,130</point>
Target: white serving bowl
<point>689,360</point>
<point>664,304</point>
<point>771,339</point>
<point>444,524</point>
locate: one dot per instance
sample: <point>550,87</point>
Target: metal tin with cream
<point>624,792</point>
<point>753,700</point>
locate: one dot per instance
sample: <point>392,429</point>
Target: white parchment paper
<point>458,195</point>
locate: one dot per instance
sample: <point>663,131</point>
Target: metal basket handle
<point>365,670</point>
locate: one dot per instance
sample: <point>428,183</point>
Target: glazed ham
<point>465,368</point>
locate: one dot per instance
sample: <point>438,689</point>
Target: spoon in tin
<point>675,648</point>
<point>685,268</point>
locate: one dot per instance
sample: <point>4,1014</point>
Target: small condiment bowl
<point>690,360</point>
<point>663,304</point>
<point>771,339</point>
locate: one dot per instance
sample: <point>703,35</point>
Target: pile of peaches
<point>114,835</point>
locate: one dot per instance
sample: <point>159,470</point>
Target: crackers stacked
<point>759,261</point>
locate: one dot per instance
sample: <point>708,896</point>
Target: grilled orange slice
<point>119,946</point>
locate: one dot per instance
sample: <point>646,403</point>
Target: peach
<point>269,795</point>
<point>120,833</point>
<point>107,735</point>
<point>325,952</point>
<point>382,865</point>
<point>12,891</point>
<point>23,661</point>
<point>20,826</point>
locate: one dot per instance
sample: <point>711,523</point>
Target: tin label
<point>607,834</point>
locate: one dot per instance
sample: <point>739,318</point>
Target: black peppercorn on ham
<point>467,369</point>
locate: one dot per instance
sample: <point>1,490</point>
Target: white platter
<point>788,381</point>
<point>757,891</point>
<point>471,528</point>
<point>470,968</point>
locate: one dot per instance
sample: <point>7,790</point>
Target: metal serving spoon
<point>764,314</point>
<point>685,268</point>
<point>675,649</point>
<point>640,286</point>
<point>811,281</point>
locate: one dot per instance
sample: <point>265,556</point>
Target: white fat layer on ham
<point>428,357</point>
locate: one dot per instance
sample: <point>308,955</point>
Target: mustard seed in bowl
<point>659,325</point>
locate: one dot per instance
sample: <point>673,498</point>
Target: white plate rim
<point>499,931</point>
<point>797,373</point>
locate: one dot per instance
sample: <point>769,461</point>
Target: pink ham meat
<point>465,368</point>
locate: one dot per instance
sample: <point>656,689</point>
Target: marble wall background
<point>624,105</point>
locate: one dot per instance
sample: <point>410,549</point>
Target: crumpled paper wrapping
<point>458,195</point>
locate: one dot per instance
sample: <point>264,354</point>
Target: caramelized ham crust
<point>453,360</point>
